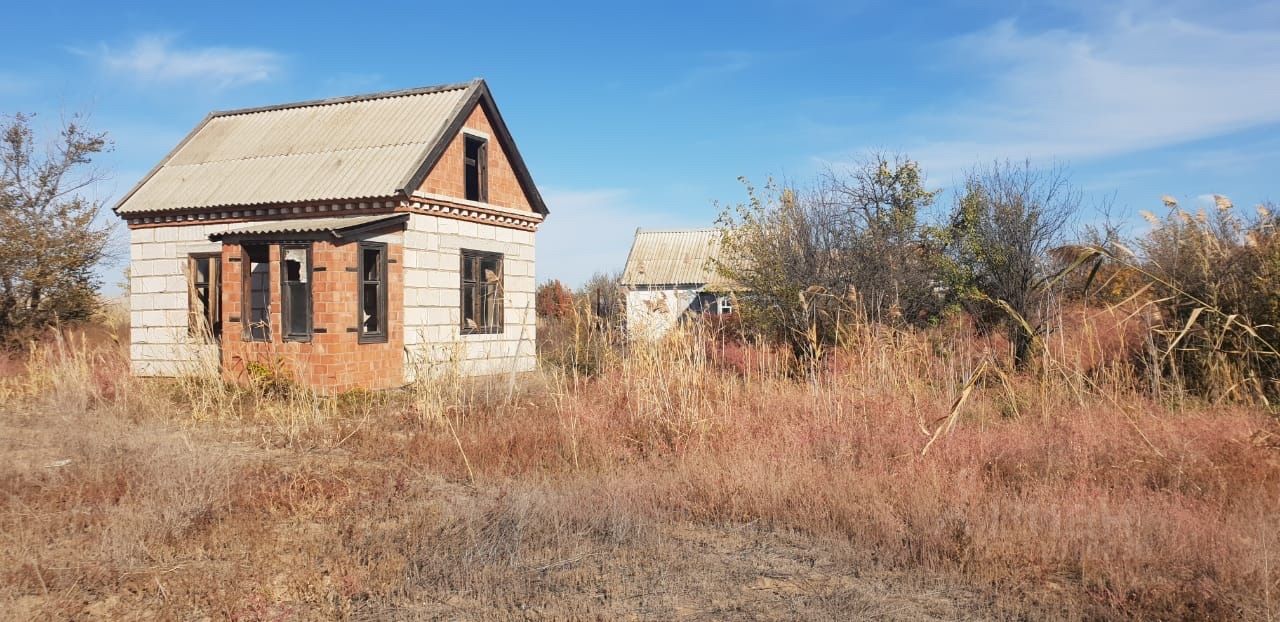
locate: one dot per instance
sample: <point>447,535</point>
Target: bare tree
<point>604,296</point>
<point>50,239</point>
<point>1004,225</point>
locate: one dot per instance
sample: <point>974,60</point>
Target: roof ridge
<point>347,99</point>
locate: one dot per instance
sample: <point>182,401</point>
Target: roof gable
<point>347,148</point>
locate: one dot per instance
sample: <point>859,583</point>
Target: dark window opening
<point>295,291</point>
<point>257,293</point>
<point>373,292</point>
<point>481,292</point>
<point>204,296</point>
<point>475,168</point>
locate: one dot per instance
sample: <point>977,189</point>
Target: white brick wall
<point>160,345</point>
<point>159,341</point>
<point>431,296</point>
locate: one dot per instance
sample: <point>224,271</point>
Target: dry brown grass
<point>691,480</point>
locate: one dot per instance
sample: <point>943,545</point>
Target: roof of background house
<point>378,145</point>
<point>673,257</point>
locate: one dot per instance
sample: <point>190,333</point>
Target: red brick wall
<point>446,178</point>
<point>334,360</point>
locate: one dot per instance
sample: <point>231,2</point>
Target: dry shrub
<point>1214,274</point>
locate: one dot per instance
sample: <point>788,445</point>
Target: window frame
<point>380,335</point>
<point>288,332</point>
<point>212,314</point>
<point>478,255</point>
<point>481,167</point>
<point>246,292</point>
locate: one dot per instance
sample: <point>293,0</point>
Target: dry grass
<point>690,480</point>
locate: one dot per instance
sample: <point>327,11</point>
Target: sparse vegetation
<point>693,478</point>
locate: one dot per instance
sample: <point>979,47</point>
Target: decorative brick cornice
<point>258,212</point>
<point>421,204</point>
<point>475,212</point>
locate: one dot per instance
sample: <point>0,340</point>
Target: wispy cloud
<point>156,58</point>
<point>1125,83</point>
<point>713,66</point>
<point>590,230</point>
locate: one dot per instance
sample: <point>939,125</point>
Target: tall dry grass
<point>664,480</point>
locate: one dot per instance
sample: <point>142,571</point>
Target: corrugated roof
<point>337,149</point>
<point>334,224</point>
<point>673,257</point>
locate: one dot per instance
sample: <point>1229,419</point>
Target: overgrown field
<point>696,479</point>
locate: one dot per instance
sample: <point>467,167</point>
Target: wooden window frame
<point>481,167</point>
<point>246,292</point>
<point>476,300</point>
<point>213,313</point>
<point>380,335</point>
<point>288,332</point>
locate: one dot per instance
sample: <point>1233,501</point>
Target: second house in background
<point>671,276</point>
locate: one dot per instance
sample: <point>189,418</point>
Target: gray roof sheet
<point>338,149</point>
<point>334,224</point>
<point>673,257</point>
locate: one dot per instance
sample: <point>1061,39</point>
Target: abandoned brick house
<point>672,275</point>
<point>349,242</point>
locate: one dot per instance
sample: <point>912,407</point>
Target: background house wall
<point>432,297</point>
<point>653,312</point>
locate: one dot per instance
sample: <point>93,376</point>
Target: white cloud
<point>1127,83</point>
<point>591,231</point>
<point>158,59</point>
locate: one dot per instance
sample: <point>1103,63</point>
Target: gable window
<point>373,292</point>
<point>295,291</point>
<point>475,168</point>
<point>256,293</point>
<point>481,292</point>
<point>204,295</point>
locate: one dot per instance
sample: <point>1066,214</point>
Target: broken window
<point>373,292</point>
<point>257,293</point>
<point>481,292</point>
<point>295,291</point>
<point>475,168</point>
<point>204,296</point>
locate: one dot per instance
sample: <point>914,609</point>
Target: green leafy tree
<point>50,236</point>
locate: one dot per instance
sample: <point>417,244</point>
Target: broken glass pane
<point>372,315</point>
<point>372,261</point>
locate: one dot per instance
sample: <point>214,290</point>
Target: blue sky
<point>645,114</point>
